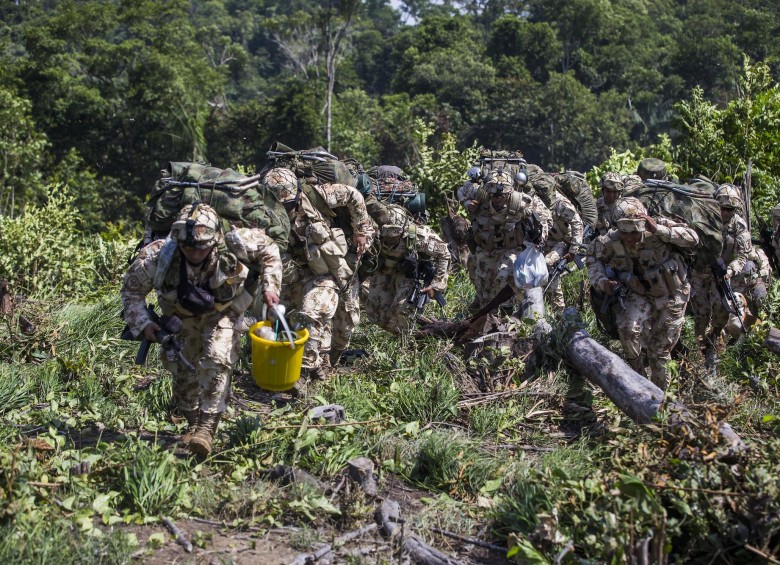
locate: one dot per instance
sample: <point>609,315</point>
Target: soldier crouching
<point>640,259</point>
<point>206,281</point>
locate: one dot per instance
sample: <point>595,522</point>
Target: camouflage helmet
<point>612,181</point>
<point>282,182</point>
<point>627,214</point>
<point>197,225</point>
<point>651,168</point>
<point>729,197</point>
<point>499,182</point>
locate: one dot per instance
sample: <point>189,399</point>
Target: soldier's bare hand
<point>609,287</point>
<point>651,224</point>
<point>429,290</point>
<point>271,298</point>
<point>361,243</point>
<point>150,330</point>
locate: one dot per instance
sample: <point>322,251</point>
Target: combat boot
<point>711,362</point>
<point>201,441</point>
<point>192,416</point>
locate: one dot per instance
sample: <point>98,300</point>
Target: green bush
<point>44,253</point>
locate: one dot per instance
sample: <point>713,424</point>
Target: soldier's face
<point>727,213</point>
<point>194,255</point>
<point>630,238</point>
<point>611,196</point>
<point>499,199</point>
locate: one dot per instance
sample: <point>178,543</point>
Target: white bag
<point>530,268</point>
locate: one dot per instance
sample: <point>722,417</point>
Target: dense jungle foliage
<point>94,96</point>
<point>98,94</point>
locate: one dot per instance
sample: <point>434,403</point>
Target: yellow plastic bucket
<point>275,365</point>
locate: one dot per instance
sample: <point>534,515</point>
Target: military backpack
<point>238,199</point>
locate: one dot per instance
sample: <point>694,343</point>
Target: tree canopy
<point>106,91</point>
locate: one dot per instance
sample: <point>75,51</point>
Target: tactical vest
<point>499,230</point>
<point>226,283</point>
<point>655,270</point>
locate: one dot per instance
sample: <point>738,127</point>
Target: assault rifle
<point>618,294</point>
<point>247,182</point>
<point>532,228</point>
<point>167,336</point>
<point>561,266</point>
<point>766,233</point>
<point>727,295</point>
<point>422,279</point>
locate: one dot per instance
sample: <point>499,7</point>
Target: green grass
<point>403,401</point>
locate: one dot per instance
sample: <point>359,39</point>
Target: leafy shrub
<point>44,253</point>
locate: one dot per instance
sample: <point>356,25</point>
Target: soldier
<point>503,222</point>
<point>709,312</point>
<point>565,235</point>
<point>319,281</point>
<point>611,190</point>
<point>203,277</point>
<point>651,168</point>
<point>408,248</point>
<point>639,261</point>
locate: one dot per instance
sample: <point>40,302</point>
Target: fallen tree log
<point>772,341</point>
<point>632,393</point>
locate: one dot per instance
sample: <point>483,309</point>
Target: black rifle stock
<point>167,337</point>
<point>423,279</point>
<point>723,285</point>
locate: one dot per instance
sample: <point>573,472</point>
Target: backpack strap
<point>317,199</point>
<point>167,252</point>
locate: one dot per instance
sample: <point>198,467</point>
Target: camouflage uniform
<point>209,339</point>
<point>709,313</point>
<point>498,235</point>
<point>386,291</point>
<point>613,182</point>
<point>655,276</point>
<point>754,279</point>
<point>566,230</point>
<point>319,281</point>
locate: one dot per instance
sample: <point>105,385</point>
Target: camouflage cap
<point>651,168</point>
<point>612,181</point>
<point>627,214</point>
<point>197,225</point>
<point>282,182</point>
<point>729,196</point>
<point>499,182</point>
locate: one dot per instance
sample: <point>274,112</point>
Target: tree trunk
<point>632,393</point>
<point>772,341</point>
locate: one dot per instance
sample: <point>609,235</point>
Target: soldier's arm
<point>545,216</point>
<point>428,243</point>
<point>676,233</point>
<point>577,228</point>
<point>136,284</point>
<point>596,260</point>
<point>742,248</point>
<point>341,195</point>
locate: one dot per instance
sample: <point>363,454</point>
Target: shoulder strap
<point>317,199</point>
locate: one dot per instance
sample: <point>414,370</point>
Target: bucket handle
<point>281,318</point>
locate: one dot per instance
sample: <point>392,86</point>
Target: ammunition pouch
<point>409,265</point>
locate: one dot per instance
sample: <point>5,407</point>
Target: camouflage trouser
<point>210,344</point>
<point>555,296</point>
<point>709,315</point>
<point>385,300</point>
<point>492,272</point>
<point>333,315</point>
<point>347,318</point>
<point>652,326</point>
